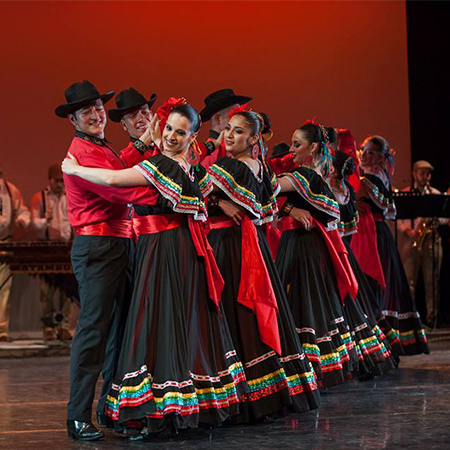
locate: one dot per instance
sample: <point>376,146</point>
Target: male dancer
<point>134,113</point>
<point>101,253</point>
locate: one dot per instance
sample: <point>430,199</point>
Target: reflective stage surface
<point>407,409</point>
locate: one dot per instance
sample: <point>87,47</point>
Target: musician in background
<point>416,239</point>
<point>13,212</point>
<point>50,221</point>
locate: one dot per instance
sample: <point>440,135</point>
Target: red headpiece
<point>239,109</point>
<point>167,107</point>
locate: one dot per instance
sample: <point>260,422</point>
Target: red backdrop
<point>344,62</point>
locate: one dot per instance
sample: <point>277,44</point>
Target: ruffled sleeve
<point>380,195</point>
<point>313,189</point>
<point>182,191</point>
<point>242,186</point>
<point>204,180</point>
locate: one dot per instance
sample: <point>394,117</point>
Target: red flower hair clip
<point>167,107</point>
<point>239,109</point>
<point>311,121</point>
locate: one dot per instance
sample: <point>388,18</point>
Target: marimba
<point>47,259</point>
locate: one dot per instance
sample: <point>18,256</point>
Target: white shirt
<point>12,209</point>
<point>44,202</point>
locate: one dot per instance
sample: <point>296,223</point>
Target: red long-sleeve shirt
<point>89,203</point>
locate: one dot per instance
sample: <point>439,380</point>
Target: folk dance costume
<point>278,372</point>
<point>364,314</point>
<point>308,276</point>
<point>396,301</point>
<point>178,366</point>
<point>102,259</point>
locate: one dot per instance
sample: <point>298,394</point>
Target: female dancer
<point>303,258</point>
<point>278,373</point>
<point>375,200</point>
<point>373,348</point>
<point>177,366</point>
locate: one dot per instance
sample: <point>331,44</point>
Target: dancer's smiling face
<point>91,119</point>
<point>238,135</point>
<point>301,149</point>
<point>136,122</point>
<point>177,134</point>
<point>370,155</point>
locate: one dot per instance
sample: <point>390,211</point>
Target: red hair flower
<point>239,109</point>
<point>167,107</point>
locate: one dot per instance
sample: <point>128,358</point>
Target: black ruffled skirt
<point>177,366</point>
<point>397,303</point>
<point>275,382</point>
<point>307,274</point>
<point>374,349</point>
<point>370,299</point>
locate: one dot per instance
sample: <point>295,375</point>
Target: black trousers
<point>103,267</point>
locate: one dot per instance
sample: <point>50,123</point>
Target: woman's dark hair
<point>315,133</point>
<point>343,164</point>
<point>190,114</point>
<point>254,121</point>
<point>323,137</point>
<point>267,124</point>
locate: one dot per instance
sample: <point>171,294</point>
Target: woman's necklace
<point>244,158</point>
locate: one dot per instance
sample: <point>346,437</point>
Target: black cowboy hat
<point>280,150</point>
<point>220,100</point>
<point>78,95</point>
<point>127,101</point>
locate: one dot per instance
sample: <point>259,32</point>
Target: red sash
<point>364,246</point>
<point>164,222</point>
<point>157,223</point>
<point>273,236</point>
<point>346,280</point>
<point>114,228</point>
<point>255,288</point>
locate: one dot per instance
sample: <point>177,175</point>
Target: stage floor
<point>407,409</point>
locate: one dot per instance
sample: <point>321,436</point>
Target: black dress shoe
<point>83,431</point>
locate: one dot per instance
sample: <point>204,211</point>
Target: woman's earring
<point>309,160</point>
<point>193,156</point>
<point>255,151</point>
